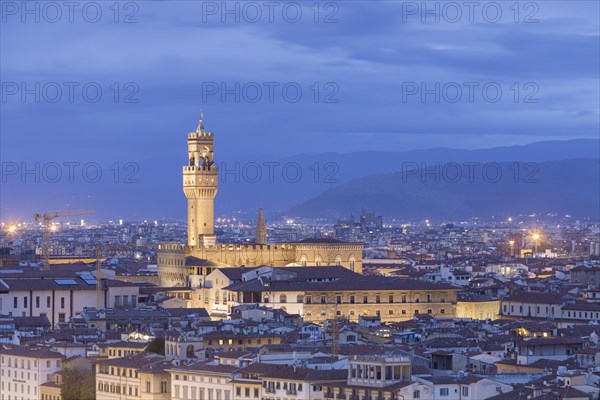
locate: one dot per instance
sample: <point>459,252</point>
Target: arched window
<point>283,298</point>
<point>148,386</point>
<point>318,261</point>
<point>189,351</point>
<point>352,263</point>
<point>303,261</point>
<point>338,261</point>
<point>300,298</point>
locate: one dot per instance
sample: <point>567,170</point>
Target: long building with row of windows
<point>321,293</point>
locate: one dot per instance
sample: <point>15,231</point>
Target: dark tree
<point>157,346</point>
<point>78,385</point>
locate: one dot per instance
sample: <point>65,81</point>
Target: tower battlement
<point>200,135</point>
<point>194,168</point>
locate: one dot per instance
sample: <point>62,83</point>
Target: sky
<point>117,84</point>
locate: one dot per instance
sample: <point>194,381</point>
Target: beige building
<point>378,377</point>
<point>478,309</point>
<point>121,349</point>
<point>177,263</point>
<point>204,380</point>
<point>141,376</point>
<point>51,390</point>
<point>322,293</point>
<point>284,382</point>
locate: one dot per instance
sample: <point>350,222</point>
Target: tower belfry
<point>260,235</point>
<point>200,184</point>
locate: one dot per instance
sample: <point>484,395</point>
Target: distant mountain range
<point>448,192</point>
<point>337,169</point>
<point>330,184</point>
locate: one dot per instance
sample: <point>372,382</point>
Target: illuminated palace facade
<point>187,265</point>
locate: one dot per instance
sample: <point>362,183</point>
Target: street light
<point>12,229</point>
<point>536,238</point>
<point>512,244</point>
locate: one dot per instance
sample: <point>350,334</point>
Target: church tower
<point>260,236</point>
<point>200,182</point>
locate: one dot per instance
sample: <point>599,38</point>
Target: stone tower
<point>200,183</point>
<point>260,236</point>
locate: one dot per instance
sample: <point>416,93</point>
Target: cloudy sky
<point>283,78</point>
<point>369,56</point>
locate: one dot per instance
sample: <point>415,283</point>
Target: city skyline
<point>299,200</point>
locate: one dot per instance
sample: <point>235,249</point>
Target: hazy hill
<point>566,186</point>
<point>155,190</point>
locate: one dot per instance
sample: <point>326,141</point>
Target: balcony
<point>329,395</point>
<point>291,392</point>
<point>341,396</point>
<point>270,389</point>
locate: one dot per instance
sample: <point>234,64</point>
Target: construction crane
<point>46,218</point>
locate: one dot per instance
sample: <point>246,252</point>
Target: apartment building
<point>140,376</point>
<point>206,380</point>
<point>24,369</point>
